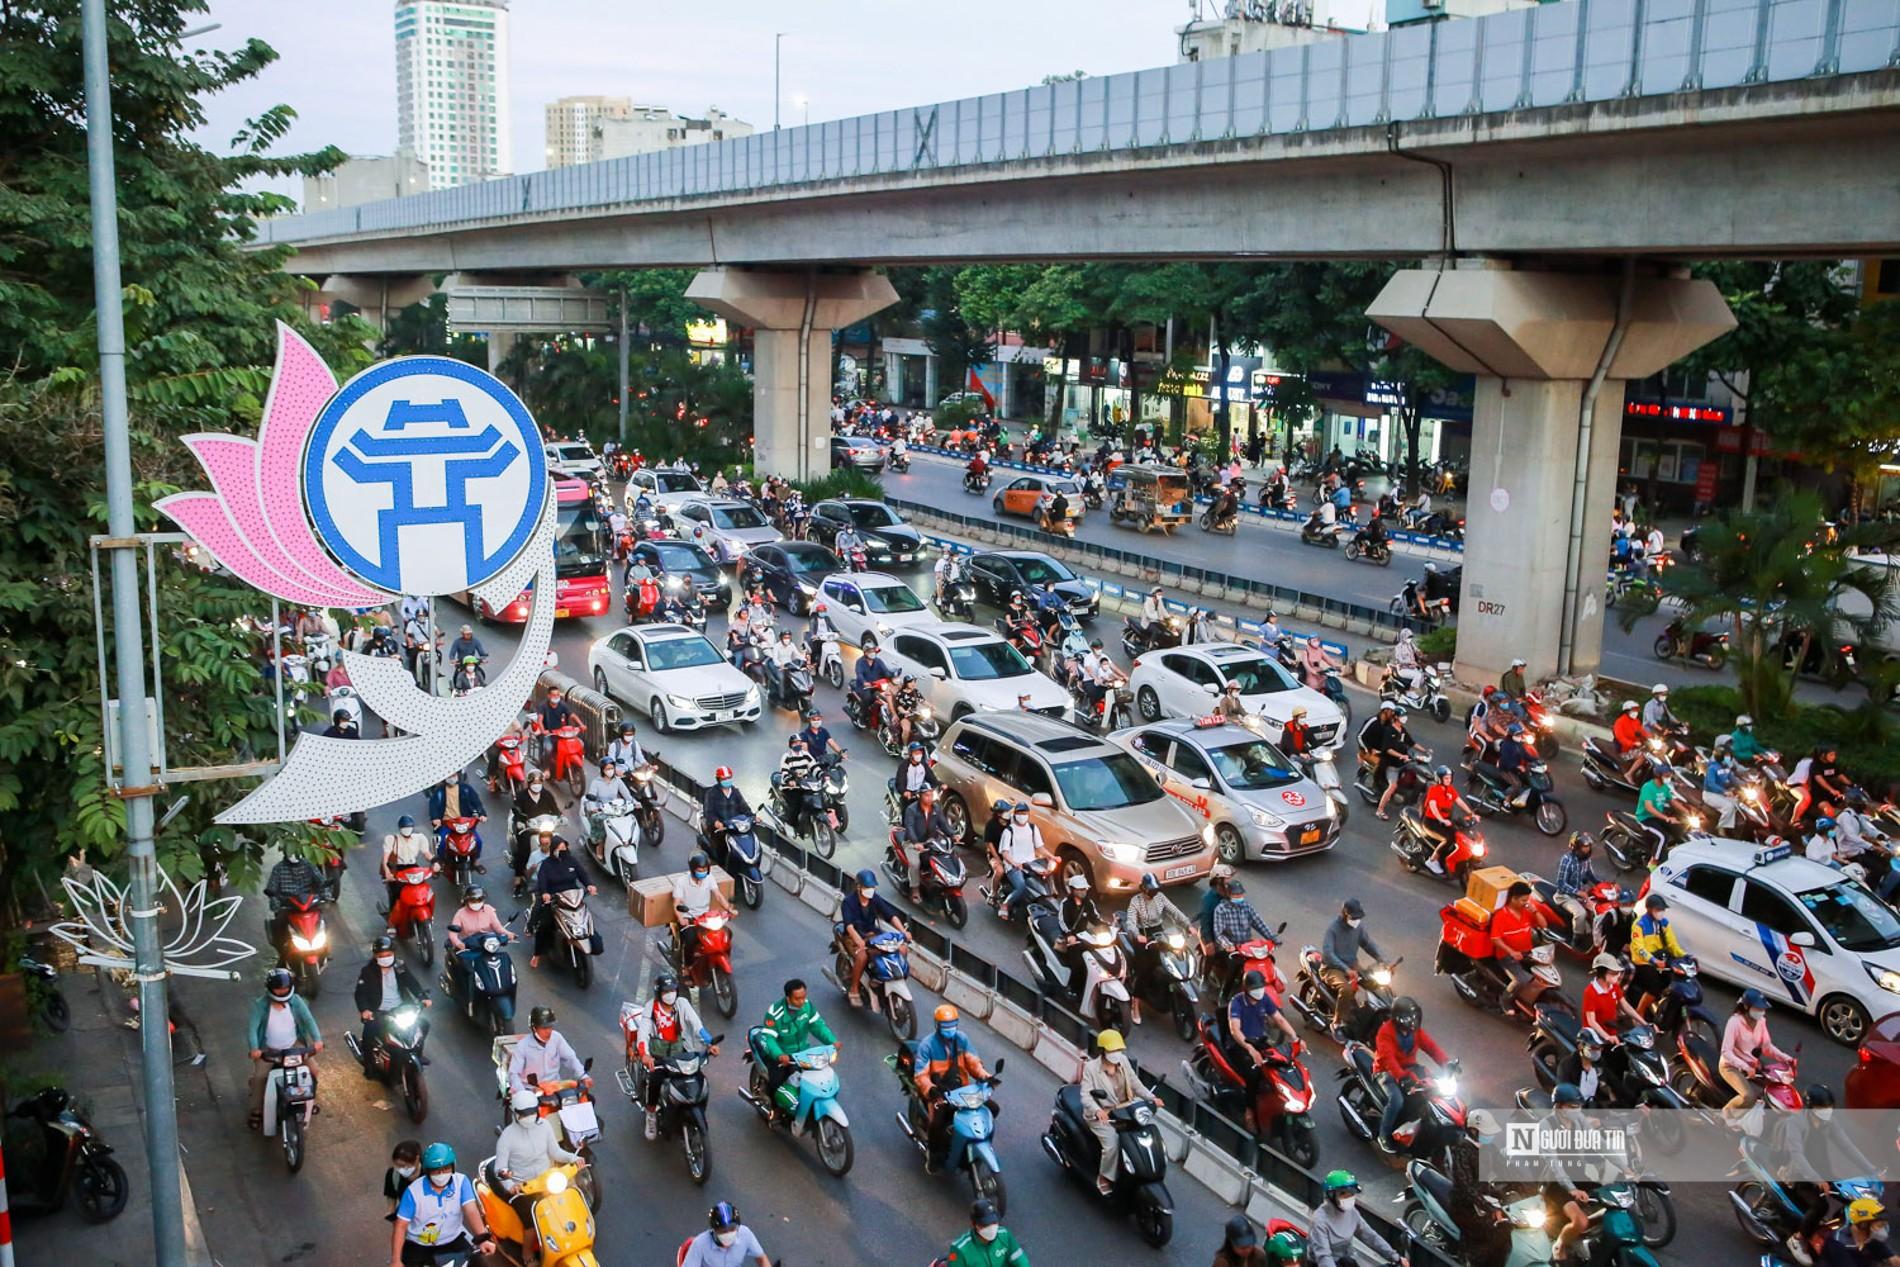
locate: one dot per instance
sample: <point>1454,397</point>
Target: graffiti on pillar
<point>423,476</point>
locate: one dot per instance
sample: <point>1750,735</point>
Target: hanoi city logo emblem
<point>424,476</point>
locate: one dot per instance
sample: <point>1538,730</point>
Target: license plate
<point>560,612</point>
<point>725,714</point>
<point>1310,836</point>
<point>1178,873</point>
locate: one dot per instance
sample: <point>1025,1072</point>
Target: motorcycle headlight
<point>680,702</point>
<point>308,944</point>
<point>713,923</point>
<point>1267,819</point>
<point>1117,851</point>
<point>404,1018</point>
<point>923,712</point>
<point>1692,822</point>
<point>556,1184</point>
<point>1381,977</point>
<point>1447,1086</point>
<point>1295,1103</point>
<point>1529,1217</point>
<point>1886,978</point>
<point>1176,941</point>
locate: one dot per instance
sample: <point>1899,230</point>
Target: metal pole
<point>161,1111</point>
<point>776,39</point>
<point>623,367</point>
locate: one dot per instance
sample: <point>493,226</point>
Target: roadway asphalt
<point>886,1210</point>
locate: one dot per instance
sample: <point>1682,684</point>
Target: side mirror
<point>1000,1062</point>
<point>587,1066</point>
<point>1210,688</point>
<point>853,607</point>
<point>1161,776</point>
<point>1042,800</point>
<point>1801,939</point>
<point>940,674</point>
<point>1201,785</point>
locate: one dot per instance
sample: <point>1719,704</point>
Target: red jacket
<point>1390,1058</point>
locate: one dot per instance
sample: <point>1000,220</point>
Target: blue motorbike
<point>1767,1212</point>
<point>739,852</point>
<point>972,1127</point>
<point>806,1102</point>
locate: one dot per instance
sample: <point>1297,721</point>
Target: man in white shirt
<point>526,1149</point>
<point>545,1054</point>
<point>948,566</point>
<point>694,893</point>
<point>1019,845</point>
<point>625,751</point>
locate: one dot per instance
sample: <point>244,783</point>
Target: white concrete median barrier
<point>1214,1170</point>
<point>970,996</point>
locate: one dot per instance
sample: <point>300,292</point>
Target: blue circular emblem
<point>425,475</point>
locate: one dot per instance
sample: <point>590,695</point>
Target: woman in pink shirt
<point>473,917</point>
<point>1745,1045</point>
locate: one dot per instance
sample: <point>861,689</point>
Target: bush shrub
<point>843,482</point>
<point>1872,761</point>
<point>1439,643</point>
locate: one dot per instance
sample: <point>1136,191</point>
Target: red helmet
<point>723,772</point>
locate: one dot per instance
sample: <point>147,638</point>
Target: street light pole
<point>136,790</point>
<point>777,39</point>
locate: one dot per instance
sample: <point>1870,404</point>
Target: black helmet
<point>1820,1096</point>
<point>698,860</point>
<point>1406,1013</point>
<point>279,979</point>
<point>1253,980</point>
<point>540,1017</point>
<point>664,982</point>
<point>1582,841</point>
<point>474,893</point>
<point>723,1216</point>
<point>340,716</point>
<point>383,942</point>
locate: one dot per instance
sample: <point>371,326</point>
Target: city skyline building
<point>452,88</point>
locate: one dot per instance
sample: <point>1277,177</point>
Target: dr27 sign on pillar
<point>422,475</point>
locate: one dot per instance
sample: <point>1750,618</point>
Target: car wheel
<point>797,605</point>
<point>1072,863</point>
<point>1148,704</point>
<point>1844,1020</point>
<point>956,814</point>
<point>657,711</point>
<point>600,683</point>
<point>1233,850</point>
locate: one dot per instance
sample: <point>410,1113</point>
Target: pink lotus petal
<point>207,520</point>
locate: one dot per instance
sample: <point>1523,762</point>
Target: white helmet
<point>1661,688</point>
<point>523,1100</point>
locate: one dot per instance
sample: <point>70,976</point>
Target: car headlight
<point>752,694</point>
<point>1332,810</point>
<point>807,589</point>
<point>884,628</point>
<point>1118,851</point>
<point>1207,834</point>
<point>680,702</point>
<point>1266,819</point>
<point>307,944</point>
<point>1886,978</point>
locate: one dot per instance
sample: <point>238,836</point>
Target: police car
<point>1261,804</point>
<point>1799,931</point>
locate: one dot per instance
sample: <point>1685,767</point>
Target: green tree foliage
<point>199,313</point>
<point>958,341</point>
<point>422,329</point>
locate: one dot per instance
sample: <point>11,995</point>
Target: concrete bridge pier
<point>1552,352</point>
<point>792,313</point>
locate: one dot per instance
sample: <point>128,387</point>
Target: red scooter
<point>459,842</point>
<point>514,765</point>
<point>1281,1113</point>
<point>711,963</point>
<point>412,918</point>
<point>1253,956</point>
<point>306,948</point>
<point>570,755</point>
<point>641,598</point>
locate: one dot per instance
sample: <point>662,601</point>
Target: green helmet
<point>1284,1247</point>
<point>1340,1181</point>
<point>436,1156</point>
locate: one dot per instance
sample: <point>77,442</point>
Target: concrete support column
<point>1543,469</point>
<point>930,380</point>
<point>500,344</point>
<point>792,313</point>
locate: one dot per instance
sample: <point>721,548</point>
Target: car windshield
<point>680,557</point>
<point>891,598</point>
<point>987,661</point>
<point>574,453</point>
<point>681,653</point>
<point>738,517</point>
<point>804,561</point>
<point>1853,917</point>
<point>1253,766</point>
<point>1258,677</point>
<point>1035,570</point>
<point>577,541</point>
<point>675,482</point>
<point>1111,782</point>
<point>874,515</point>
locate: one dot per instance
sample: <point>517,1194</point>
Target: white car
<point>667,489</point>
<point>574,459</point>
<point>724,528</point>
<point>871,602</point>
<point>965,668</point>
<point>673,675</point>
<point>1801,932</point>
<point>1186,682</point>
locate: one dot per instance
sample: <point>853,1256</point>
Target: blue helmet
<point>1566,1093</point>
<point>723,1216</point>
<point>1752,997</point>
<point>867,878</point>
<point>405,821</point>
<point>436,1156</point>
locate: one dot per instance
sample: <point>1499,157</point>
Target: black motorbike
<point>55,1154</point>
<point>974,483</point>
<point>1689,1035</point>
<point>738,851</point>
<point>1371,550</point>
<point>395,1057</point>
<point>1140,1186</point>
<point>1165,970</point>
<point>480,982</point>
<point>1432,1118</point>
<point>789,687</point>
<point>1492,795</point>
<point>1698,646</point>
<point>941,876</point>
<point>900,462</point>
<point>683,1098</point>
<point>1413,777</point>
<point>959,597</point>
<point>1315,1000</point>
<point>1136,638</point>
<point>1631,1073</point>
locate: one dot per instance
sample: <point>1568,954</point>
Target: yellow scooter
<point>562,1222</point>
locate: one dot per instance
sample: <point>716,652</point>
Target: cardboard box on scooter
<point>650,900</point>
<point>1487,886</point>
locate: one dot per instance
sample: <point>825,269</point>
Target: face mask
<point>1257,995</point>
<point>946,1032</point>
<point>476,906</point>
<point>1879,1232</point>
<point>1352,923</point>
<point>385,961</point>
<point>407,832</point>
<point>670,997</point>
<point>725,783</point>
<point>986,1233</point>
<point>1116,1058</point>
<point>699,875</point>
<point>526,1119</point>
<point>1347,1203</point>
<point>554,701</point>
<point>1755,1014</point>
<point>1822,1115</point>
<point>725,1238</point>
<point>1020,820</point>
<point>407,1172</point>
<point>535,787</point>
<point>865,895</point>
<point>916,758</point>
<point>441,1180</point>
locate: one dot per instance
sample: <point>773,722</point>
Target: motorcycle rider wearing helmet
<point>383,986</point>
<point>913,776</point>
<point>279,1019</point>
<point>1810,1146</point>
<point>604,789</point>
<point>1346,938</point>
<point>1746,1047</point>
<point>859,915</point>
<point>1108,1083</point>
<point>438,1214</point>
<point>792,1024</point>
<point>1335,1226</point>
<point>1511,769</point>
<point>1656,803</point>
<point>1240,1247</point>
<point>694,894</point>
<point>1822,845</point>
<point>543,1052</point>
<point>873,681</point>
<point>946,572</point>
<point>1575,878</point>
<point>625,751</point>
<point>1746,744</point>
<point>1718,782</point>
<point>1631,739</point>
<point>944,1060</point>
<point>1018,842</point>
<point>1252,1016</point>
<point>1235,921</point>
<point>1564,1196</point>
<point>1154,616</point>
<point>663,1027</point>
<point>526,1149</point>
<point>987,1244</point>
<point>723,803</point>
<point>923,823</point>
<point>1603,1003</point>
<point>905,701</point>
<point>1313,664</point>
<point>553,715</point>
<point>1075,915</point>
<point>1146,921</point>
<point>1854,829</point>
<point>1440,802</point>
<point>343,722</point>
<point>292,877</point>
<point>456,797</point>
<point>1652,936</point>
<point>473,918</point>
<point>1385,738</point>
<point>1863,1241</point>
<point>561,873</point>
<point>406,848</point>
<point>1401,1042</point>
<point>727,1242</point>
<point>534,800</point>
<point>789,779</point>
<point>1657,718</point>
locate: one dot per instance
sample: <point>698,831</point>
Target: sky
<point>336,58</point>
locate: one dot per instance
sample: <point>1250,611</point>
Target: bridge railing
<point>1546,55</point>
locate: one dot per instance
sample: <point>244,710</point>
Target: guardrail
<point>1213,1149</point>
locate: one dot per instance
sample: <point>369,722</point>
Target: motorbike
<point>790,686</point>
<point>1315,1000</point>
<point>1063,639</point>
<point>1599,900</point>
<point>924,729</point>
<point>456,844</point>
<point>72,1161</point>
<point>306,947</point>
<point>394,1058</point>
<point>1414,843</point>
<point>1317,532</point>
<point>649,802</point>
<point>538,825</point>
<point>1603,765</point>
<point>1140,1184</point>
<point>1465,955</point>
<point>941,876</point>
<point>641,599</point>
<point>886,979</point>
<point>613,838</point>
<point>1492,796</point>
<point>1375,550</point>
<point>824,653</point>
<point>1097,983</point>
<point>1413,604</point>
<point>1413,777</point>
<point>1038,884</point>
<point>412,918</point>
<point>480,981</point>
<point>1631,1073</point>
<point>956,598</point>
<point>1835,663</point>
<point>1424,693</point>
<point>1699,646</point>
<point>1115,708</point>
<point>1173,960</point>
<point>576,939</point>
<point>343,698</point>
<point>1136,638</point>
<point>1633,844</point>
<point>742,857</point>
<point>1280,1111</point>
<point>972,1126</point>
<point>563,1216</point>
<point>817,829</point>
<point>900,462</point>
<point>1428,1218</point>
<point>50,1006</point>
<point>1227,524</point>
<point>711,963</point>
<point>1433,1116</point>
<point>290,1100</point>
<point>570,1103</point>
<point>976,482</point>
<point>512,766</point>
<point>1256,955</point>
<point>1024,635</point>
<point>1767,1211</point>
<point>683,1093</point>
<point>855,559</point>
<point>806,1103</point>
<point>570,756</point>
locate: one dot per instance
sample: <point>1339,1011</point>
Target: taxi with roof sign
<point>1803,933</point>
<point>1261,804</point>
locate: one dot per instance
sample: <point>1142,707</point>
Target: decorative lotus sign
<point>422,475</point>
